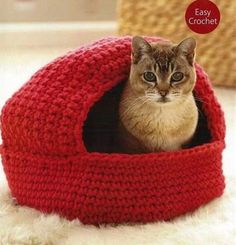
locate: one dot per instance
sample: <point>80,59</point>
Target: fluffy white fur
<point>212,224</point>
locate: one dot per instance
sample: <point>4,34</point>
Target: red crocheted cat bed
<point>54,162</point>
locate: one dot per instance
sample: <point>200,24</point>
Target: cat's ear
<point>139,47</point>
<point>187,48</point>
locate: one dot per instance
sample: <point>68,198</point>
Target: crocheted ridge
<point>49,168</point>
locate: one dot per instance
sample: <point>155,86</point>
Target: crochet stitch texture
<point>49,168</point>
<point>152,17</point>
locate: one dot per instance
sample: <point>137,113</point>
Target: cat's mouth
<point>163,100</point>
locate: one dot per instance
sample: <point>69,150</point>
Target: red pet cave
<point>57,131</point>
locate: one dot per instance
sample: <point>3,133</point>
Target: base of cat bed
<point>50,162</point>
<point>213,223</point>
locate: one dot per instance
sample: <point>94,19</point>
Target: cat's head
<point>163,72</point>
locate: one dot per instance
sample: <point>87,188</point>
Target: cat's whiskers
<point>182,96</point>
<point>175,93</point>
<point>133,105</point>
<point>152,96</point>
<point>201,100</point>
<point>132,109</point>
<point>137,103</point>
<point>187,98</point>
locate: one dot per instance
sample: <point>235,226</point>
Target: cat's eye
<point>177,76</point>
<point>149,76</point>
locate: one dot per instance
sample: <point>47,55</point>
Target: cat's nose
<point>163,93</point>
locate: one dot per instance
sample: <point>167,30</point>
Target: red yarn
<point>48,167</point>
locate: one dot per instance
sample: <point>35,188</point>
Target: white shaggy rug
<point>212,224</point>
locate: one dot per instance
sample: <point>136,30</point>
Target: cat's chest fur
<point>161,128</point>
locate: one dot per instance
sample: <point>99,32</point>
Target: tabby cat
<point>157,111</point>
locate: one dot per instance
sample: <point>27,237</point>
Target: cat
<point>157,110</point>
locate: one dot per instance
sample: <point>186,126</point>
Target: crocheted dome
<point>54,163</point>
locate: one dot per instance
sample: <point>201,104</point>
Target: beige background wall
<point>57,10</point>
